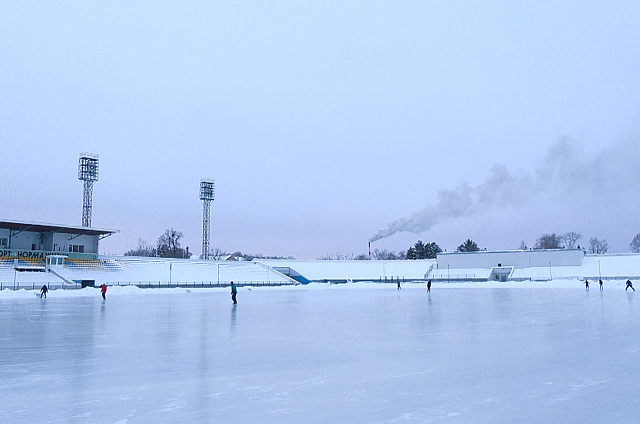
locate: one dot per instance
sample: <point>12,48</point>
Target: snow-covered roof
<point>39,227</point>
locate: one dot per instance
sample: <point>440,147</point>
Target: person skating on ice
<point>234,293</point>
<point>586,284</point>
<point>600,281</point>
<point>43,291</point>
<point>429,286</point>
<point>629,286</point>
<point>103,291</point>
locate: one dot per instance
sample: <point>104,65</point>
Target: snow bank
<point>135,291</point>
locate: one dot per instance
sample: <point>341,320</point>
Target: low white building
<point>500,265</point>
<point>514,258</point>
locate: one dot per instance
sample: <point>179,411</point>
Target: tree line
<point>569,240</point>
<point>168,245</point>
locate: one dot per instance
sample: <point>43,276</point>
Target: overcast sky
<point>325,123</point>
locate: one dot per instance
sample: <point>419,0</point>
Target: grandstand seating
<point>147,272</point>
<point>92,265</point>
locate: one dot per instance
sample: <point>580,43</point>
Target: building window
<point>77,248</point>
<point>4,242</point>
<point>33,246</point>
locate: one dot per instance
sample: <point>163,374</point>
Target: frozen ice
<point>322,354</point>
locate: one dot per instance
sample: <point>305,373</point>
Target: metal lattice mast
<point>207,194</point>
<point>88,174</point>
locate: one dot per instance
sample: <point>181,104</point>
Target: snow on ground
<point>351,353</point>
<point>131,270</point>
<point>356,270</point>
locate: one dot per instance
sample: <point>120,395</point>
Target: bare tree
<point>216,254</point>
<point>549,241</point>
<point>143,249</point>
<point>523,246</point>
<point>386,255</point>
<point>635,244</point>
<point>570,239</point>
<point>169,244</point>
<point>327,257</point>
<point>598,246</point>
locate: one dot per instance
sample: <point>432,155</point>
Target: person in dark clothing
<point>43,291</point>
<point>429,286</point>
<point>399,284</point>
<point>600,281</point>
<point>629,286</point>
<point>586,284</point>
<point>234,293</point>
<point>103,290</point>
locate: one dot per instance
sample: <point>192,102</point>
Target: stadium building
<point>36,241</point>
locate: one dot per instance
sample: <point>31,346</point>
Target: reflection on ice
<point>337,354</point>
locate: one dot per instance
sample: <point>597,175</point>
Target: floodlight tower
<point>88,174</point>
<point>207,194</point>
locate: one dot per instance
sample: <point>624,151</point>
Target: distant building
<point>514,258</point>
<point>37,240</point>
<point>501,264</point>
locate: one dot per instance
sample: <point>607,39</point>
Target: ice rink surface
<point>330,355</point>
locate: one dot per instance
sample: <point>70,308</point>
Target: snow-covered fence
<point>457,278</point>
<point>202,284</point>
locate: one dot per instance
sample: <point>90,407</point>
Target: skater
<point>399,284</point>
<point>43,291</point>
<point>600,281</point>
<point>103,290</point>
<point>586,284</point>
<point>429,286</point>
<point>234,293</point>
<point>629,286</point>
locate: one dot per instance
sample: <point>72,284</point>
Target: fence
<point>34,286</point>
<point>456,278</point>
<point>201,284</point>
<point>151,284</point>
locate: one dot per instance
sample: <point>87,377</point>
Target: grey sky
<point>322,123</point>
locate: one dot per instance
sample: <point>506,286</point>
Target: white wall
<point>515,258</point>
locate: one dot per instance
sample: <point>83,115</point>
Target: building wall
<point>516,258</point>
<point>4,238</point>
<point>57,242</point>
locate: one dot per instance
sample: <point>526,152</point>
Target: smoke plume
<point>565,176</point>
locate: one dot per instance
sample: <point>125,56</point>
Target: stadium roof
<point>39,227</point>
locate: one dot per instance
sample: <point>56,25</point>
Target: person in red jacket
<point>103,290</point>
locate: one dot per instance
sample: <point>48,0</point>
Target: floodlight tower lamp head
<point>207,190</point>
<point>88,167</point>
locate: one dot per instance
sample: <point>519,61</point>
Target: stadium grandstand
<point>33,254</point>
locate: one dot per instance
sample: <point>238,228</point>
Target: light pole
<point>599,273</point>
<point>207,194</point>
<point>550,276</point>
<point>448,274</point>
<point>15,271</point>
